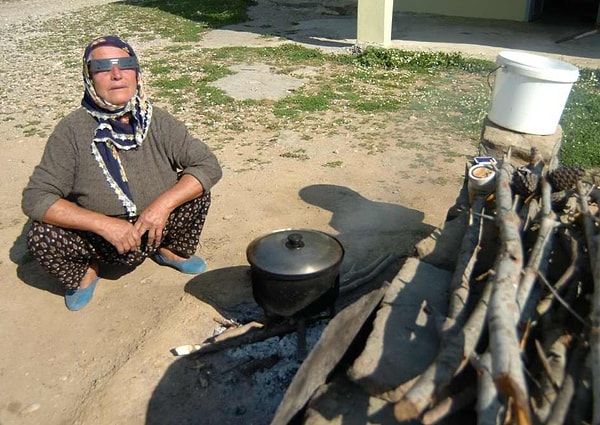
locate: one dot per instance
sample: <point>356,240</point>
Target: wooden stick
<point>253,334</point>
<point>234,331</point>
<point>452,404</point>
<point>503,310</point>
<point>588,224</point>
<point>469,248</point>
<point>539,255</point>
<point>594,334</point>
<point>553,359</point>
<point>457,347</point>
<point>576,254</point>
<point>490,410</point>
<point>581,407</point>
<point>594,338</point>
<point>560,408</point>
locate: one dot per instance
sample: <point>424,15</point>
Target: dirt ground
<point>111,362</point>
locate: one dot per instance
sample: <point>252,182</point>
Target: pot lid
<point>295,252</point>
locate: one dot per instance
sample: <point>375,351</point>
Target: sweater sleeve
<point>188,153</point>
<point>52,178</point>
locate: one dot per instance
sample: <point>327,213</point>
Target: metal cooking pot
<point>295,271</point>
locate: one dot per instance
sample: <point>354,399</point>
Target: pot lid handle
<point>294,241</point>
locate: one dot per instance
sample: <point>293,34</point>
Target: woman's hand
<point>153,220</point>
<point>121,234</point>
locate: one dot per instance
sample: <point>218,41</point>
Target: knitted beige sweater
<point>69,170</point>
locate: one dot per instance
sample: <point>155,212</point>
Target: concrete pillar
<point>374,22</point>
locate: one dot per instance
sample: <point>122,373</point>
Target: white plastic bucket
<point>530,92</point>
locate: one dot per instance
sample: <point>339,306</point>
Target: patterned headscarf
<point>111,134</point>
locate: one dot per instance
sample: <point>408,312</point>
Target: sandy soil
<point>111,362</point>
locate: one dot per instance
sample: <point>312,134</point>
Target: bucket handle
<point>490,74</point>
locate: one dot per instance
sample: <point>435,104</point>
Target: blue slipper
<point>76,299</point>
<point>193,265</point>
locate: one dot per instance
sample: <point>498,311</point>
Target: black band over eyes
<point>98,65</point>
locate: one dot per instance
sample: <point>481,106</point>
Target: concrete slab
<point>257,82</point>
<point>404,339</point>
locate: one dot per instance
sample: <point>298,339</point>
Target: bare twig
<point>562,301</point>
<point>575,249</point>
<point>484,216</point>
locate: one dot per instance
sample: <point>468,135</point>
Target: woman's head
<point>111,73</point>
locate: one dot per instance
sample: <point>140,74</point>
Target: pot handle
<point>294,241</point>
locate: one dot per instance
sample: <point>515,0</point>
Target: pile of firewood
<point>521,341</point>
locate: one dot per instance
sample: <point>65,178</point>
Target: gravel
<point>32,75</point>
<point>15,11</point>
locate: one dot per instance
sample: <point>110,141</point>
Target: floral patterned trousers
<point>66,254</point>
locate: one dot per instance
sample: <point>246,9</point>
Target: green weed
<point>299,154</point>
<point>334,164</point>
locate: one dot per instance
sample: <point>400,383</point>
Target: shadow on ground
<point>367,229</point>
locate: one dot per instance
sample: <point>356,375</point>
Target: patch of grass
<point>299,154</point>
<point>385,104</point>
<point>210,13</point>
<point>373,147</point>
<point>294,105</point>
<point>581,122</point>
<point>214,72</point>
<point>440,181</point>
<point>159,67</point>
<point>172,84</point>
<point>174,91</point>
<point>334,164</point>
<point>422,161</point>
<point>374,57</point>
<point>411,144</point>
<point>293,53</point>
<point>459,100</point>
<point>31,128</point>
<point>257,161</point>
<point>212,96</point>
<point>284,54</point>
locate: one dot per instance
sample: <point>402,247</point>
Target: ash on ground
<point>242,385</point>
<point>273,381</point>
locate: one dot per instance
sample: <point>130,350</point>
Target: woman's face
<point>115,86</point>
